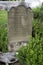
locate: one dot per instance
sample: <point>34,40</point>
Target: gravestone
<point>19,25</point>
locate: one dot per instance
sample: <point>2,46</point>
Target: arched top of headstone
<point>17,4</point>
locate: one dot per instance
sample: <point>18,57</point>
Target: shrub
<point>37,28</point>
<point>3,17</point>
<point>32,54</point>
<point>3,38</point>
<point>3,31</point>
<point>38,22</point>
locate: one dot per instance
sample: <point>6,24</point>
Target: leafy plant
<point>38,22</point>
<point>3,31</point>
<point>32,54</point>
<point>3,38</point>
<point>3,17</point>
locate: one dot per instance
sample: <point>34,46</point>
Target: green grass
<point>3,17</point>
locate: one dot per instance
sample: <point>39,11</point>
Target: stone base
<point>8,59</point>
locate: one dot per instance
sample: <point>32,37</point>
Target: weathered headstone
<point>19,25</point>
<point>19,30</point>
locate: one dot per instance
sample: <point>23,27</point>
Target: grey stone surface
<point>8,58</point>
<point>19,25</point>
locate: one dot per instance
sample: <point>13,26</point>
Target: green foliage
<point>3,17</point>
<point>38,21</point>
<point>3,31</point>
<point>22,55</point>
<point>32,54</point>
<point>3,38</point>
<point>38,27</point>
